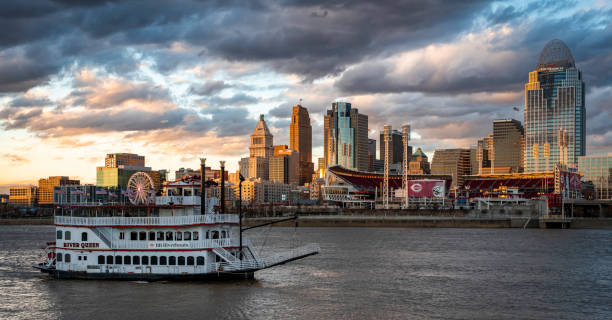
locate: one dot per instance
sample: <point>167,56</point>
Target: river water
<point>361,273</point>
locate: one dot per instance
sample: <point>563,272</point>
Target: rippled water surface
<point>361,273</point>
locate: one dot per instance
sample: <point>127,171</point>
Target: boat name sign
<point>83,245</point>
<point>168,245</point>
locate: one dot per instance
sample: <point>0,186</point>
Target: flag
<point>78,192</point>
<point>101,191</point>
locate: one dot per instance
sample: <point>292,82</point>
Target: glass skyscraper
<point>555,116</point>
<point>346,137</point>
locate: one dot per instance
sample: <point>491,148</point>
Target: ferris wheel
<point>140,188</point>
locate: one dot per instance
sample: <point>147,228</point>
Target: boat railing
<point>146,221</point>
<point>169,245</point>
<point>255,264</point>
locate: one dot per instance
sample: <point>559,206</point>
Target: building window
<point>121,235</point>
<point>169,236</point>
<point>133,235</point>
<point>84,236</point>
<point>190,261</point>
<point>172,261</point>
<point>67,258</point>
<point>162,261</point>
<point>127,260</point>
<point>195,235</point>
<point>145,260</point>
<point>109,259</point>
<point>160,236</point>
<point>59,234</point>
<point>153,260</point>
<point>200,261</point>
<point>118,259</point>
<point>181,261</point>
<point>100,259</point>
<point>58,257</point>
<point>179,236</point>
<point>152,236</point>
<point>135,260</point>
<point>67,235</point>
<point>142,236</point>
<point>187,236</point>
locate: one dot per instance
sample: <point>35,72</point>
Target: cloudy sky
<point>174,81</point>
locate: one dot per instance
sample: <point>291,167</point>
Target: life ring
<point>220,268</point>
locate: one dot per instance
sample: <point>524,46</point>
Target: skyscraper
<point>346,137</point>
<point>396,147</point>
<point>300,140</point>
<point>555,116</point>
<point>500,152</point>
<point>261,150</point>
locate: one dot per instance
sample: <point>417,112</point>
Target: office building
<point>260,151</point>
<point>300,140</point>
<point>598,170</point>
<point>419,164</point>
<point>262,191</point>
<point>284,166</point>
<point>45,188</point>
<point>115,160</point>
<point>345,138</point>
<point>23,196</point>
<point>454,162</point>
<point>502,151</point>
<point>555,116</point>
<point>119,177</point>
<point>396,147</point>
<point>371,154</point>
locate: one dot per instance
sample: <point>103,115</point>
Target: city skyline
<point>70,96</point>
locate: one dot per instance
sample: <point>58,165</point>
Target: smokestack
<point>202,186</point>
<point>223,187</point>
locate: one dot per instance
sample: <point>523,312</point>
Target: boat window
<point>152,236</point>
<point>59,234</point>
<point>172,261</point>
<point>84,236</point>
<point>67,257</point>
<point>142,236</point>
<point>145,260</point>
<point>85,258</point>
<point>179,236</point>
<point>121,235</point>
<point>181,261</point>
<point>169,235</point>
<point>133,235</point>
<point>58,257</point>
<point>162,261</point>
<point>160,236</point>
<point>67,235</point>
<point>187,235</point>
<point>207,235</point>
<point>223,234</point>
<point>136,260</point>
<point>127,260</point>
<point>109,259</point>
<point>153,260</point>
<point>200,261</point>
<point>195,235</point>
<point>190,261</point>
<point>79,258</point>
<point>215,234</point>
<point>118,259</point>
<point>100,259</point>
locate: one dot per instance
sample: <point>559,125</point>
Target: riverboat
<point>177,240</point>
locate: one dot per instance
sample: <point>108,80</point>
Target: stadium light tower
<point>406,139</point>
<point>387,137</point>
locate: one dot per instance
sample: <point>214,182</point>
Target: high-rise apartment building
<point>115,160</point>
<point>555,116</point>
<point>45,187</point>
<point>300,140</point>
<point>455,162</point>
<point>598,170</point>
<point>346,137</point>
<point>396,147</point>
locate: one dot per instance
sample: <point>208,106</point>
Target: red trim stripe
<point>146,250</point>
<point>147,226</point>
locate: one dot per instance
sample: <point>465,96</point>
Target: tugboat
<point>183,238</point>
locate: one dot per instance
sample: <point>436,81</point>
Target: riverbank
<point>393,221</point>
